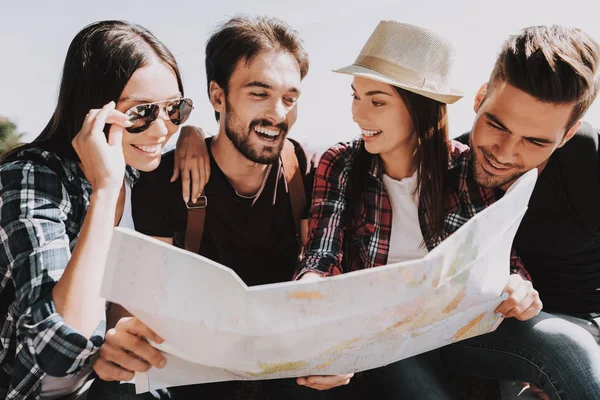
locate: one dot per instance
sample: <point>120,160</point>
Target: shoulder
<point>464,138</point>
<point>459,154</point>
<point>580,153</point>
<point>583,143</point>
<point>37,173</point>
<point>307,157</point>
<point>342,154</point>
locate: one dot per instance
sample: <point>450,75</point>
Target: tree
<point>9,137</point>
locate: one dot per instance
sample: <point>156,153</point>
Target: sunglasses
<point>144,115</point>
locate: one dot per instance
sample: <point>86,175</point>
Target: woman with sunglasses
<point>120,100</point>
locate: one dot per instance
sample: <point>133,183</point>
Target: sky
<point>35,35</point>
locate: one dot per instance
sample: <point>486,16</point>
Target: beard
<point>485,179</point>
<point>242,141</point>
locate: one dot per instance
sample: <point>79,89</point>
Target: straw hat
<point>410,57</point>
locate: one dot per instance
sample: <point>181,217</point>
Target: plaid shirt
<point>43,202</point>
<point>332,250</point>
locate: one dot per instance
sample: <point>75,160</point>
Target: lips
<point>149,149</point>
<point>267,133</point>
<point>370,132</point>
<point>492,166</point>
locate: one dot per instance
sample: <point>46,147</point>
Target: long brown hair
<point>430,122</point>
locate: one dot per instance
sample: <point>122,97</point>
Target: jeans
<point>513,390</point>
<point>549,352</point>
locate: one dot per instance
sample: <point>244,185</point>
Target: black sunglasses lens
<point>179,111</point>
<point>142,117</point>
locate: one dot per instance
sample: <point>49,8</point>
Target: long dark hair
<point>100,61</point>
<point>430,122</point>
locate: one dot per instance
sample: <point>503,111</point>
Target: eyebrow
<point>372,92</point>
<point>142,99</point>
<point>264,85</point>
<point>496,121</point>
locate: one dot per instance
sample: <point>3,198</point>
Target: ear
<point>570,133</point>
<point>217,96</point>
<point>480,96</point>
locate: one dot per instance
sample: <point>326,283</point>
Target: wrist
<point>106,195</point>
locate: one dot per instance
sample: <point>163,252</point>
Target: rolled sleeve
<point>36,248</point>
<point>517,267</point>
<point>324,249</point>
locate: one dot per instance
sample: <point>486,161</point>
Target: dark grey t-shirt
<point>258,241</point>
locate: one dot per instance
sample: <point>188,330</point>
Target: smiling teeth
<point>268,132</point>
<point>369,133</point>
<point>496,165</point>
<point>149,149</point>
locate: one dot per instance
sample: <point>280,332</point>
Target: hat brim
<point>356,70</point>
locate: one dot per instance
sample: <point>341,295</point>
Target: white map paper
<point>218,329</point>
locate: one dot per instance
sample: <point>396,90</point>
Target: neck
<point>400,162</point>
<point>245,176</point>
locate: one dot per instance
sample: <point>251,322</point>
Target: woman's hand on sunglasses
<point>192,162</point>
<point>102,159</point>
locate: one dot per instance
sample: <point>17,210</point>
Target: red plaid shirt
<point>332,249</point>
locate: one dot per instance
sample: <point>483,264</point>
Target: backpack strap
<point>194,229</point>
<point>196,214</point>
<point>293,178</point>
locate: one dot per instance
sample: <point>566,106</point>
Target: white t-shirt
<point>406,241</point>
<point>127,217</point>
<point>56,387</point>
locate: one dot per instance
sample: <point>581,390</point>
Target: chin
<point>145,166</point>
<point>372,149</point>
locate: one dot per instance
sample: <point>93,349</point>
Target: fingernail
<point>504,296</point>
<point>301,383</point>
<point>112,104</point>
<point>162,363</point>
<point>128,124</point>
<point>186,199</point>
<point>194,200</point>
<point>498,315</point>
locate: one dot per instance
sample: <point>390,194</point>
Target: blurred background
<point>35,35</point>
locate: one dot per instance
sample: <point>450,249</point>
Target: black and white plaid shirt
<point>43,202</point>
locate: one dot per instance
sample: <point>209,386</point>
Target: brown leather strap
<point>293,177</point>
<point>195,223</point>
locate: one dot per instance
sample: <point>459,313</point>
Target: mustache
<point>265,123</point>
<point>490,156</point>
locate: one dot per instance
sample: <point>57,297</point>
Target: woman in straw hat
<point>401,188</point>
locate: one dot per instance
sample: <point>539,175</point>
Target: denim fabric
<point>549,352</point>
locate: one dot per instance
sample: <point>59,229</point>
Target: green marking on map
<point>268,369</point>
<point>466,254</point>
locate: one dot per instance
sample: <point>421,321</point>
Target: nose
<point>505,150</point>
<point>161,126</point>
<point>359,113</point>
<point>277,112</point>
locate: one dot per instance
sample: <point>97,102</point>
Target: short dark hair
<point>554,64</point>
<point>100,61</point>
<point>243,38</point>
